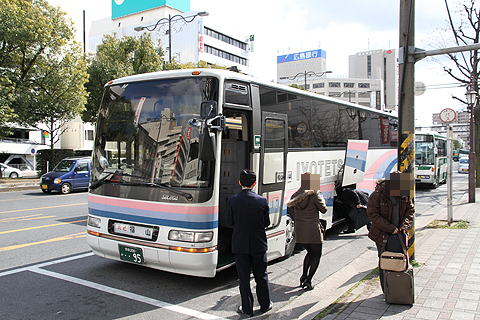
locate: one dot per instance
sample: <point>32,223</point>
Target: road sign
<point>447,115</point>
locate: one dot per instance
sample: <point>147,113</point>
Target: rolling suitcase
<point>399,285</point>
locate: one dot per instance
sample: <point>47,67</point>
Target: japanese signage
<point>319,53</point>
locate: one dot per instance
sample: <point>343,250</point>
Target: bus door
<point>273,163</point>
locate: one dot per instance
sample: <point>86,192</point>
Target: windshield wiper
<point>110,175</point>
<point>97,183</point>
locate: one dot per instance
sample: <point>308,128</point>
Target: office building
<point>191,39</point>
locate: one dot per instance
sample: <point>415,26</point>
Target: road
<point>47,270</point>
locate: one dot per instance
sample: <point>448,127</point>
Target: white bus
<point>169,148</point>
<point>430,158</point>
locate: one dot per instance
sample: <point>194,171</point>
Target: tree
<point>119,57</point>
<point>41,66</point>
<point>456,144</point>
<point>463,29</point>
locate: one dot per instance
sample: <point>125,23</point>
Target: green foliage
<point>119,57</point>
<point>456,144</point>
<point>174,65</point>
<point>50,158</point>
<point>41,66</point>
<point>294,85</point>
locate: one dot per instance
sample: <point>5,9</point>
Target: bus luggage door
<point>273,163</point>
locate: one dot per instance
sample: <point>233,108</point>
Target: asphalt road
<point>47,270</point>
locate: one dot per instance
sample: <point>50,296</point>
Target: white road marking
<point>100,287</point>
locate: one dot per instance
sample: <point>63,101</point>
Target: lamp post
<point>169,20</point>
<point>471,96</point>
<point>305,73</point>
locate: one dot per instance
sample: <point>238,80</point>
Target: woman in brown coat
<point>308,230</point>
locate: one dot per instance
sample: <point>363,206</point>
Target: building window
<point>225,38</point>
<point>364,94</point>
<point>369,67</point>
<point>334,84</point>
<point>225,55</point>
<point>89,135</point>
<point>349,85</point>
<point>364,85</point>
<point>318,85</point>
<point>334,94</point>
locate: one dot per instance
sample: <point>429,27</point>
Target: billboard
<point>121,8</point>
<point>312,54</point>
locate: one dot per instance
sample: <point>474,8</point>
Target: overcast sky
<point>341,28</point>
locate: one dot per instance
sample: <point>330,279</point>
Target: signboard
<point>319,53</point>
<point>447,115</point>
<point>121,8</point>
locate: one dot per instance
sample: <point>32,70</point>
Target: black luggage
<point>359,217</point>
<point>399,286</point>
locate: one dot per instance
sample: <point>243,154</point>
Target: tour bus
<point>169,148</point>
<point>430,158</point>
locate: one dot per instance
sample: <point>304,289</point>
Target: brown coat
<point>379,210</point>
<point>307,203</point>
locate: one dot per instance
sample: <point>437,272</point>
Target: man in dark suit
<point>248,213</point>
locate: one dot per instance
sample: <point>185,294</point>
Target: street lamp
<point>169,20</point>
<point>305,73</point>
<point>471,96</point>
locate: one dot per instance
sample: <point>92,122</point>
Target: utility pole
<point>406,107</point>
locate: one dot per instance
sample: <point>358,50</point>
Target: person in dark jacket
<point>308,228</point>
<point>391,211</point>
<point>248,213</point>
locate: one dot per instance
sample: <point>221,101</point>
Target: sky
<point>341,28</point>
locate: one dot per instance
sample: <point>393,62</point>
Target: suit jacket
<point>248,212</point>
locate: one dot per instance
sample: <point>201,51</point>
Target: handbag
<point>394,261</point>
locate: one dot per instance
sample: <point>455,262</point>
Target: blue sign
<point>312,54</point>
<point>121,8</point>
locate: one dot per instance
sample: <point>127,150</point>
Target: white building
<point>378,64</point>
<point>308,70</point>
<point>191,40</point>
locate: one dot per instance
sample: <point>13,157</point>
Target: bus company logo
<point>169,197</point>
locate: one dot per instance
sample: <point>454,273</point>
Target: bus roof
<point>225,74</point>
<point>430,133</point>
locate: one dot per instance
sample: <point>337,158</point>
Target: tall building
<point>378,64</point>
<point>191,40</point>
<point>308,70</point>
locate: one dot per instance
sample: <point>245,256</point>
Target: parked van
<point>71,173</point>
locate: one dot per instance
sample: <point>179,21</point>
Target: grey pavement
<point>447,282</point>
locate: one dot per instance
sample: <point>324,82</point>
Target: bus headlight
<point>94,222</point>
<point>189,236</point>
<point>57,181</point>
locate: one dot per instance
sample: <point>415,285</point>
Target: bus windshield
<point>143,134</point>
<point>424,153</point>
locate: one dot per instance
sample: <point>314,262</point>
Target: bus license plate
<point>130,254</point>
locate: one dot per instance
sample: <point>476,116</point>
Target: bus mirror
<point>206,147</point>
<point>208,109</point>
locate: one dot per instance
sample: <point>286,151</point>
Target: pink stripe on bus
<point>153,206</point>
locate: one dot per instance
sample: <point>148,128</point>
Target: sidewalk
<point>447,282</point>
<point>19,184</point>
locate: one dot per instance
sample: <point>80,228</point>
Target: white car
<point>10,172</point>
<point>463,165</point>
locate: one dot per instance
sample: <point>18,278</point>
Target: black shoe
<point>308,285</point>
<point>240,310</point>
<point>349,231</point>
<point>302,281</point>
<point>270,306</point>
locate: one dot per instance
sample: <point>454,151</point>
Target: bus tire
<point>434,185</point>
<point>290,241</point>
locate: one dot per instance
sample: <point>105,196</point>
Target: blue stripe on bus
<point>155,221</point>
<point>154,214</point>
